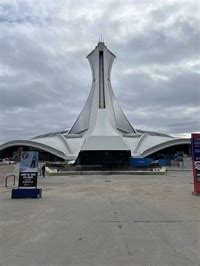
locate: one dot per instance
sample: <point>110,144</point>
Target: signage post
<point>196,162</point>
<point>28,170</point>
<point>28,173</point>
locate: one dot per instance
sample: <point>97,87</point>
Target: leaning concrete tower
<point>101,103</point>
<point>102,121</point>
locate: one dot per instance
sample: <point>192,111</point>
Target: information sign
<point>28,171</point>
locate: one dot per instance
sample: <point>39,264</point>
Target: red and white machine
<point>196,162</point>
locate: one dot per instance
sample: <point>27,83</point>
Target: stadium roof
<point>101,125</point>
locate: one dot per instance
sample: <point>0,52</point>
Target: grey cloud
<point>45,78</point>
<point>25,95</point>
<point>177,42</point>
<point>166,120</point>
<point>24,53</point>
<point>164,13</point>
<point>19,13</point>
<point>29,122</point>
<point>142,90</point>
<point>41,93</point>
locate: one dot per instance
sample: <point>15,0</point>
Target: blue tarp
<point>140,162</point>
<point>144,162</point>
<point>164,162</point>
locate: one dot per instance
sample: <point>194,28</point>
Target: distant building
<point>102,133</point>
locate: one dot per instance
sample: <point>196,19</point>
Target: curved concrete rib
<point>62,138</point>
<point>141,139</point>
<point>164,145</point>
<point>34,144</point>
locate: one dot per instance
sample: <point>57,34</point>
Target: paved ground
<point>103,220</point>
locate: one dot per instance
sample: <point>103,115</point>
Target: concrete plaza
<point>103,220</point>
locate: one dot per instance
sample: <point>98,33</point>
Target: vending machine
<point>196,162</point>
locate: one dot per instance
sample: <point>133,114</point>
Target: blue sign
<point>196,149</point>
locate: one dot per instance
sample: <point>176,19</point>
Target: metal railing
<point>6,180</point>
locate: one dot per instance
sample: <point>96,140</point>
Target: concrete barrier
<point>162,171</point>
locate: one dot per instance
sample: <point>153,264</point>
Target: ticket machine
<point>196,162</point>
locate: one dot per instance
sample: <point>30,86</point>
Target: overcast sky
<point>45,78</point>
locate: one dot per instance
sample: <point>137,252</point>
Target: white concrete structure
<point>101,124</point>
